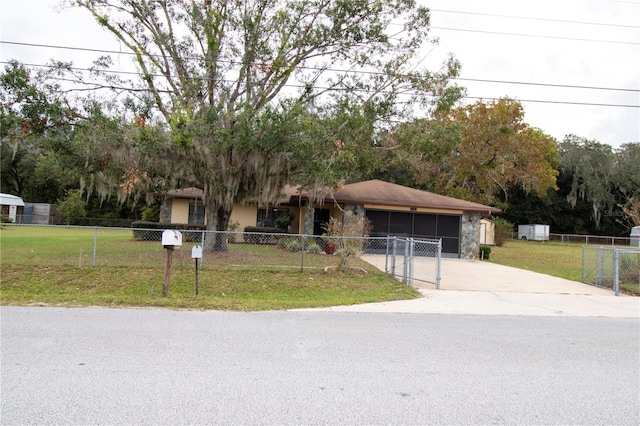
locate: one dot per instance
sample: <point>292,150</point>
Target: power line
<point>312,68</point>
<point>564,86</point>
<point>536,19</point>
<point>541,101</point>
<point>590,40</point>
<point>107,86</point>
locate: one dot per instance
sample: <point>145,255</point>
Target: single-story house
<point>392,209</point>
<point>11,206</point>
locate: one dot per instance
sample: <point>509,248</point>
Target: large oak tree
<point>248,86</point>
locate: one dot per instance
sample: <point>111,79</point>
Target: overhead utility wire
<point>528,83</point>
<point>480,80</point>
<point>101,86</point>
<point>541,101</point>
<point>535,19</point>
<point>590,40</point>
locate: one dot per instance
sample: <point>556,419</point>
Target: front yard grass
<point>53,266</point>
<point>559,260</point>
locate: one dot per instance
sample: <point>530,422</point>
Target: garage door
<point>417,225</point>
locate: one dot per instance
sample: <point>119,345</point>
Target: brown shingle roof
<point>372,192</point>
<point>197,193</point>
<point>391,194</point>
<point>190,193</point>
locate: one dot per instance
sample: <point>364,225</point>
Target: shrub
<point>504,229</point>
<point>151,213</point>
<point>284,220</point>
<point>5,219</point>
<point>313,248</point>
<point>485,252</point>
<point>293,244</point>
<point>259,234</point>
<point>152,231</point>
<point>73,207</point>
<point>346,237</point>
<point>233,228</point>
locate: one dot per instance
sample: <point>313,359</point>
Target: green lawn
<point>559,260</point>
<point>53,266</point>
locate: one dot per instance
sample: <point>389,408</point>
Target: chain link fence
<point>408,260</point>
<point>614,268</point>
<point>583,239</point>
<point>412,261</point>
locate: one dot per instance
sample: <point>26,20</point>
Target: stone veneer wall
<point>165,210</point>
<point>470,236</point>
<point>356,209</point>
<point>309,214</point>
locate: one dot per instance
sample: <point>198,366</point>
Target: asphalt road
<point>127,366</point>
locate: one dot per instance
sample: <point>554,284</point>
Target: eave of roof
<point>190,193</point>
<point>198,194</point>
<point>11,200</point>
<point>391,194</point>
<point>370,192</point>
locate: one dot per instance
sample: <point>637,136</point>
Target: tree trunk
<point>217,218</point>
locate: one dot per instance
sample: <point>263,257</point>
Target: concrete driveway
<point>475,275</point>
<point>483,288</point>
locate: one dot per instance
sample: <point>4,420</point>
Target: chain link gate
<point>415,260</point>
<point>612,268</point>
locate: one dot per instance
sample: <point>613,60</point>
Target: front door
<point>320,220</point>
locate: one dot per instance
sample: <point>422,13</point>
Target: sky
<point>568,52</point>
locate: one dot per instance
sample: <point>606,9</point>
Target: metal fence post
<point>404,266</point>
<point>438,261</point>
<point>202,245</point>
<point>393,257</point>
<point>302,253</point>
<point>599,266</point>
<point>583,256</point>
<point>411,257</point>
<point>616,275</point>
<point>386,257</point>
<point>95,246</point>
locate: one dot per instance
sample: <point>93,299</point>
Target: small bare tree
<point>348,235</point>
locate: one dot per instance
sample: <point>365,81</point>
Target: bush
<point>5,219</point>
<point>485,252</point>
<point>352,226</point>
<point>152,231</point>
<point>313,248</point>
<point>257,234</point>
<point>151,213</point>
<point>504,229</point>
<point>292,244</point>
<point>73,207</point>
<point>284,220</point>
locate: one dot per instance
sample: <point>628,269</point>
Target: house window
<point>267,217</point>
<point>196,214</point>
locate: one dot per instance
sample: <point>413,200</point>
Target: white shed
<point>487,232</point>
<point>11,205</point>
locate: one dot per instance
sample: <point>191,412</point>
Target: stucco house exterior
<point>392,210</point>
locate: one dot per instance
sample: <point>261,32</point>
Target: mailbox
<point>171,239</point>
<point>196,252</point>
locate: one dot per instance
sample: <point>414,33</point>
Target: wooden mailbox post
<point>170,240</point>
